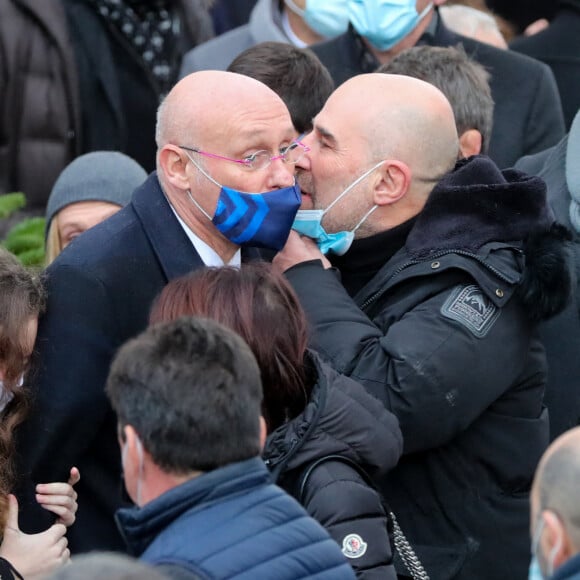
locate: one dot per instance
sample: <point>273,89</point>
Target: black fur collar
<point>477,204</point>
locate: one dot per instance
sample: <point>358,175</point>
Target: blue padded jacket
<point>233,523</point>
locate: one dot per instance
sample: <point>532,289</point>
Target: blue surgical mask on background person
<point>328,18</point>
<point>535,572</point>
<point>308,223</point>
<point>384,23</point>
<point>260,220</point>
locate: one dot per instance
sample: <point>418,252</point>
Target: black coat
<point>444,336</point>
<point>99,294</point>
<point>527,116</point>
<point>341,419</point>
<point>561,334</point>
<point>558,46</point>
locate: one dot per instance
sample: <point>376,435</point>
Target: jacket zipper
<point>440,254</point>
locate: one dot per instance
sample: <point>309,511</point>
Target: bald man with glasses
<point>224,185</point>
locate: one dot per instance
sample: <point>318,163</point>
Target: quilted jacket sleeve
<point>352,512</point>
<point>431,371</point>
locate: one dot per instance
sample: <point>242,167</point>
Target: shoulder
<point>499,61</point>
<point>236,522</point>
<point>366,426</point>
<point>219,52</point>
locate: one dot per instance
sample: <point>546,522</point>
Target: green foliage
<point>11,202</point>
<point>26,238</point>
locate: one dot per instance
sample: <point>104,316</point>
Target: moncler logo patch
<point>469,306</point>
<point>353,546</point>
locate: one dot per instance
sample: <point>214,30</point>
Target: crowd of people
<point>310,304</point>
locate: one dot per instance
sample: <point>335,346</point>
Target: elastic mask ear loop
<point>353,184</point>
<point>362,221</point>
<point>208,177</point>
<point>425,11</point>
<point>139,470</point>
<point>296,9</point>
<point>537,536</point>
<point>552,555</point>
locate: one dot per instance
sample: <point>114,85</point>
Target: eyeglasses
<point>261,159</point>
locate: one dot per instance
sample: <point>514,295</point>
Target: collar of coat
<point>477,204</point>
<point>330,424</point>
<point>502,221</point>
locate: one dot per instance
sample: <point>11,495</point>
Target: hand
<point>33,555</point>
<point>298,249</point>
<point>60,498</point>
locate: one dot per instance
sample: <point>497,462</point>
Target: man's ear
<point>394,182</point>
<point>556,543</point>
<point>131,442</point>
<point>263,432</point>
<point>173,162</point>
<point>470,143</point>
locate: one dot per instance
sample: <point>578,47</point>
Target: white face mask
<point>5,395</point>
<point>124,451</point>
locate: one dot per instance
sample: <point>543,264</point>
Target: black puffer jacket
<point>445,336</point>
<point>341,419</point>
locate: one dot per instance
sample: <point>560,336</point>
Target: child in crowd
<point>24,555</point>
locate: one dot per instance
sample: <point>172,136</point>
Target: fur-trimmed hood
<point>481,212</point>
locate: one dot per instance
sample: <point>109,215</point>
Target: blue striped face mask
<point>261,220</point>
<point>308,223</point>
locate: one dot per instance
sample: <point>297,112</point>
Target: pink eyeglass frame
<point>247,161</point>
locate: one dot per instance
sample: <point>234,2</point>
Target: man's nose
<point>304,161</point>
<point>281,174</point>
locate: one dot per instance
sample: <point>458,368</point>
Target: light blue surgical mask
<point>328,18</point>
<point>384,23</point>
<point>308,222</point>
<point>535,572</point>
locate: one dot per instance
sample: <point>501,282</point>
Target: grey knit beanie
<point>97,176</point>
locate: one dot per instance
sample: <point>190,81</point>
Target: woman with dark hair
<point>323,428</point>
<point>21,302</point>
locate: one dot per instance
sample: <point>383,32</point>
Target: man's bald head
<point>557,483</point>
<point>402,118</point>
<point>208,124</point>
<point>203,102</point>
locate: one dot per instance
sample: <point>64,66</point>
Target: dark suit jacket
<point>528,114</point>
<point>99,294</point>
<point>559,47</point>
<point>560,334</point>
